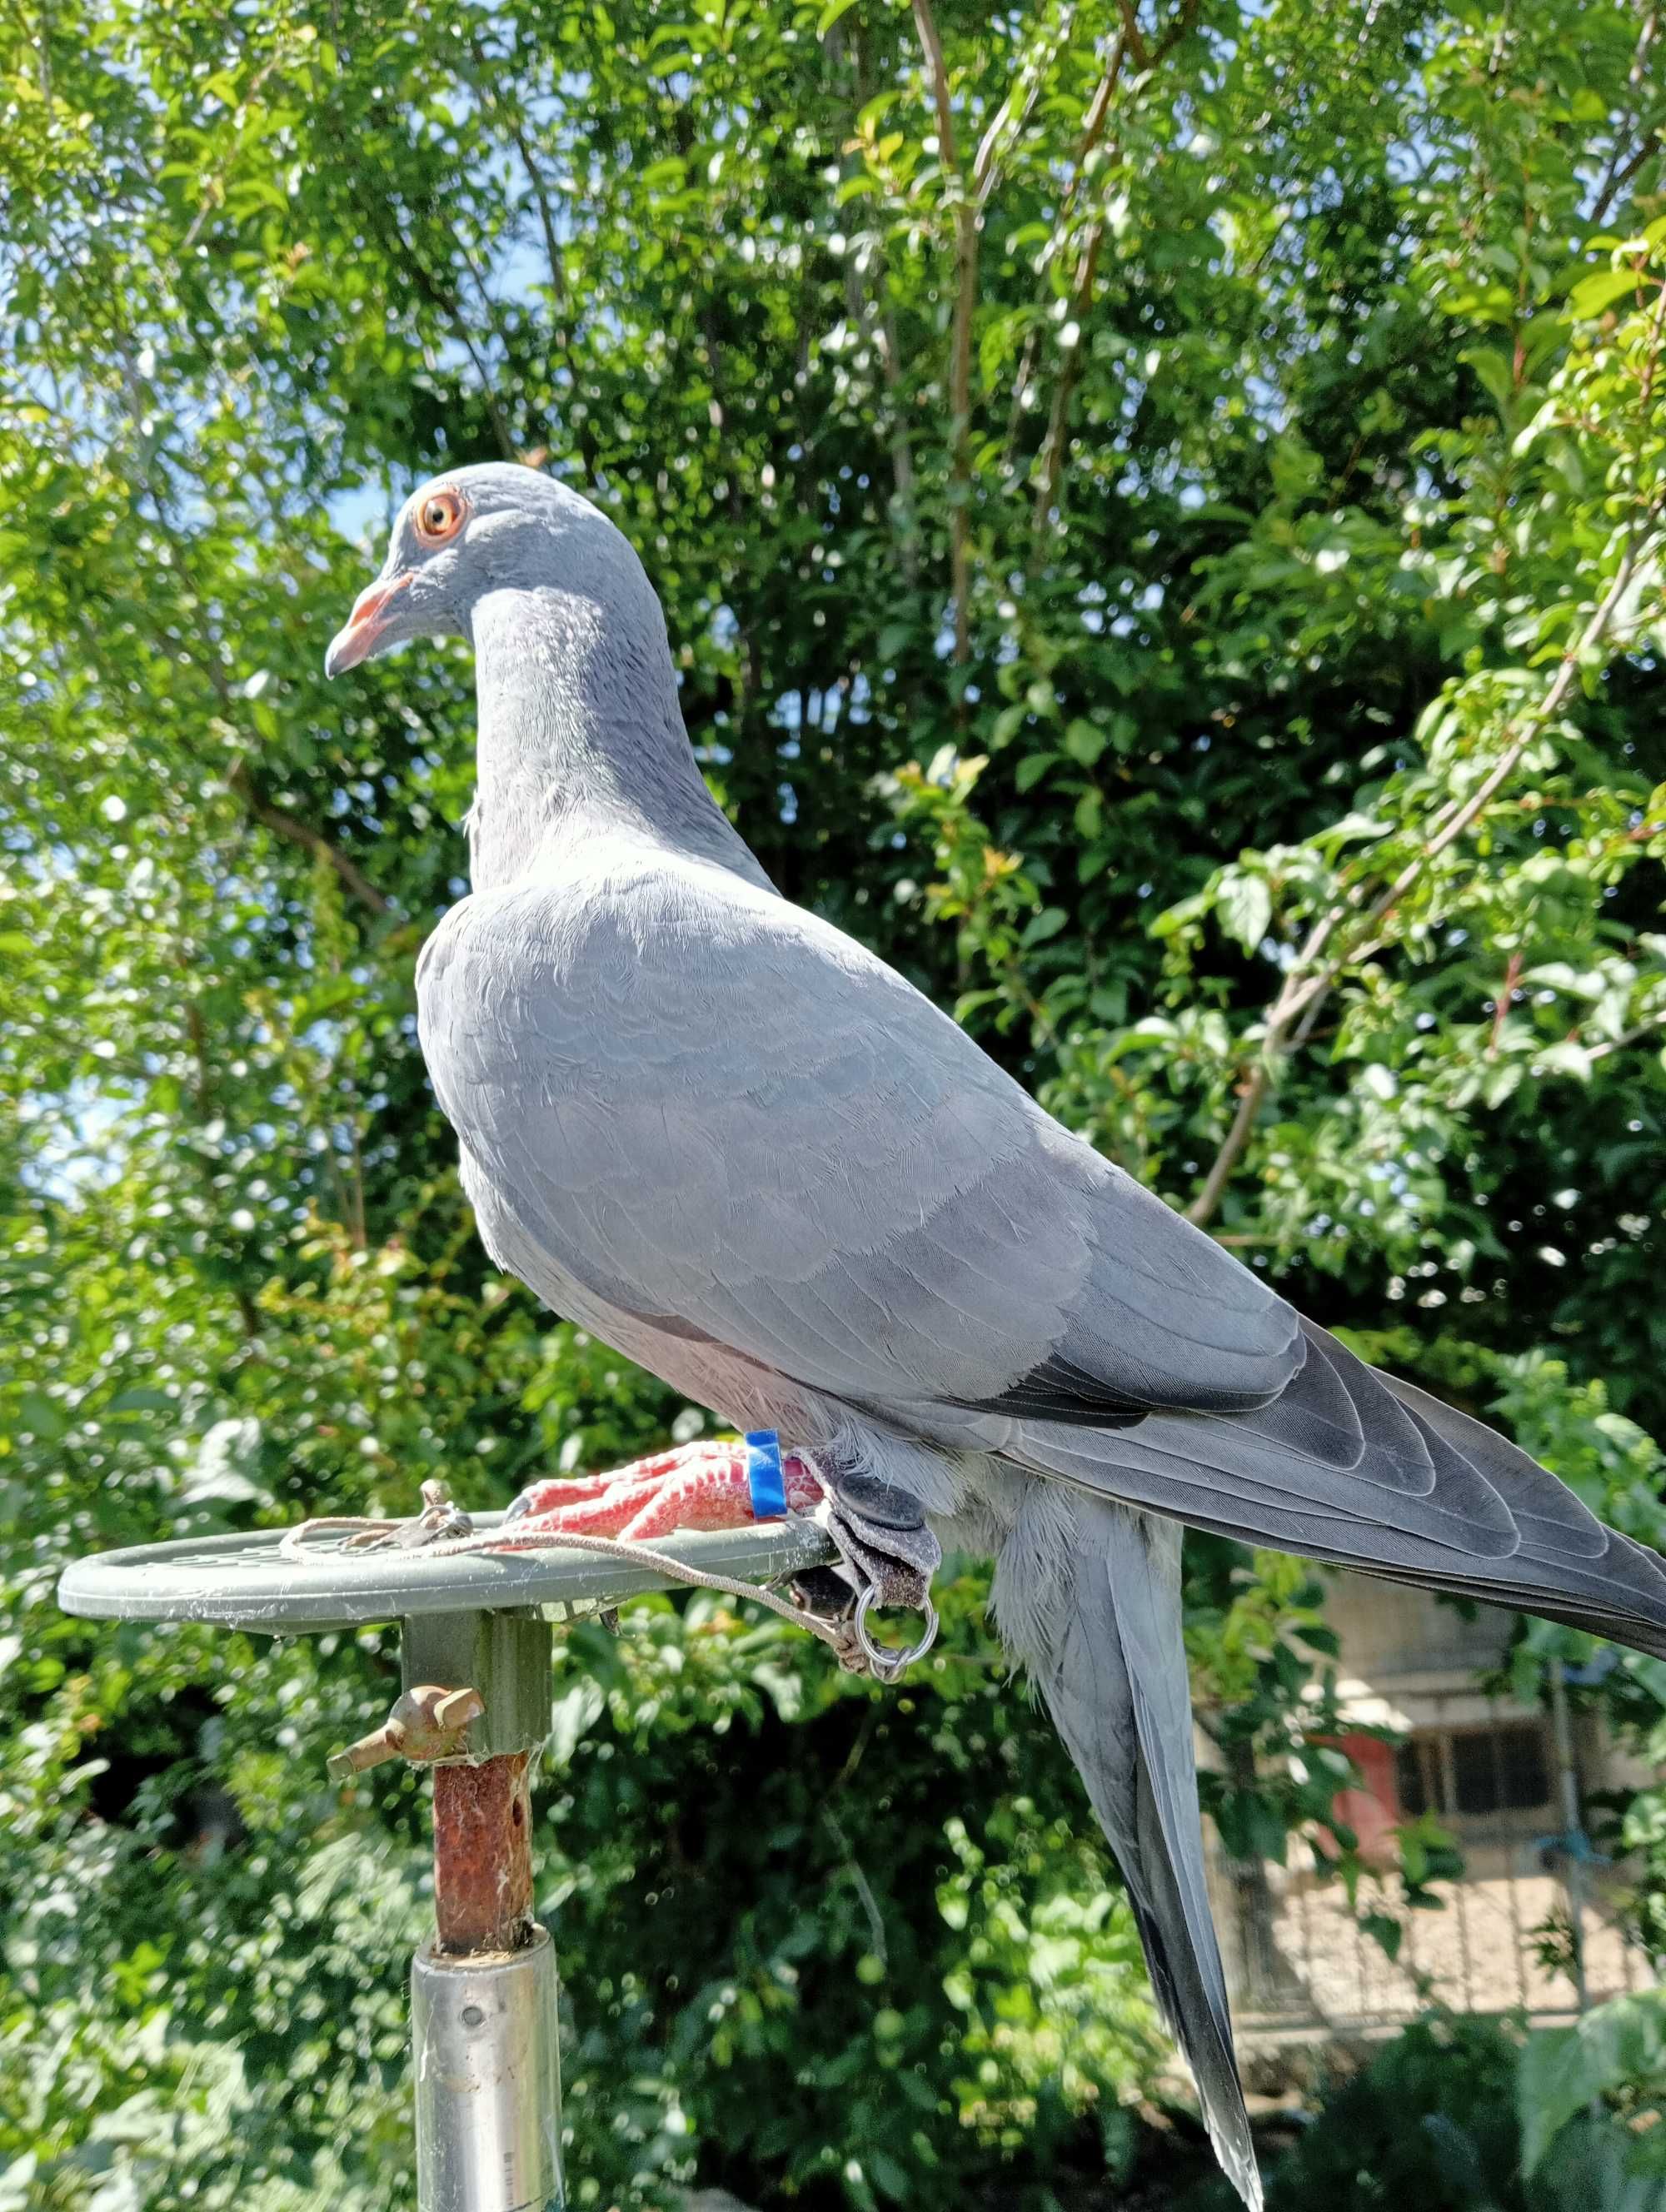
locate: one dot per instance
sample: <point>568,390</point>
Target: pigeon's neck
<point>581,735</point>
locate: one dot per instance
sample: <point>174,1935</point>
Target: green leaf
<point>1496,372</point>
<point>1384,1931</point>
<point>1243,904</point>
<point>1592,294</point>
<point>1031,769</point>
<point>42,1417</point>
<point>1046,925</point>
<point>1621,2044</point>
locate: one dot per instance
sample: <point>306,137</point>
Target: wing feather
<point>723,1109</point>
<point>1488,1522</point>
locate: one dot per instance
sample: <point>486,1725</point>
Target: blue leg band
<point>763,1476</point>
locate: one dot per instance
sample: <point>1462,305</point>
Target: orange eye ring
<point>439,517</point>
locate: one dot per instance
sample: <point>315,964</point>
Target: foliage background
<point>1160,517</point>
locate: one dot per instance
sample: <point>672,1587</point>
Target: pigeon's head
<point>472,532</point>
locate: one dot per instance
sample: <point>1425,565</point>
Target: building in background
<point>1491,1772</point>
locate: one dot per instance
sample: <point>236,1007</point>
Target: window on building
<point>1414,1773</point>
<point>1475,1771</point>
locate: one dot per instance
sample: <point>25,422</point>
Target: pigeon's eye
<point>439,517</point>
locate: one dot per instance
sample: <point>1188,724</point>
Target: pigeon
<point>707,1125</point>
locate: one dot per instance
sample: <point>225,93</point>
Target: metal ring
<point>889,1665</point>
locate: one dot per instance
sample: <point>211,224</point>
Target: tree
<point>1160,516</point>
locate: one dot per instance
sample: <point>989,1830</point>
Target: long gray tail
<point>1112,1668</point>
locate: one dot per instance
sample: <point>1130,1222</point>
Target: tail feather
<point>1113,1674</point>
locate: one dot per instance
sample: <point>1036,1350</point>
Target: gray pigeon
<point>742,1150</point>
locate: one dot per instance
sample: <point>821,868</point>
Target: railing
<point>1300,1967</point>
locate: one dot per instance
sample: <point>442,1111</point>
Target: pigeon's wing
<point>1363,1469</point>
<point>723,1117</point>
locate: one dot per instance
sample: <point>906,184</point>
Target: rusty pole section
<point>483,1854</point>
<point>482,1993</point>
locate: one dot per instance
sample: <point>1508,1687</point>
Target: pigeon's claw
<point>703,1485</point>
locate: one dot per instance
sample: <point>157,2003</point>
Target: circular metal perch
<point>474,1649</point>
<point>247,1581</point>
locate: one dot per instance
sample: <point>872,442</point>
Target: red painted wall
<point>1373,1811</point>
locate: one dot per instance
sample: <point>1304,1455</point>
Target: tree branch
<point>1057,440</point>
<point>1093,126</point>
<point>969,196</point>
<point>1616,177</point>
<point>1131,38</point>
<point>875,309</point>
<point>291,828</point>
<point>1631,1036</point>
<point>936,75</point>
<point>384,218</point>
<point>1029,78</point>
<point>238,779</point>
<point>711,341</point>
<point>1289,1018</point>
<point>1064,390</point>
<point>562,335</point>
<point>202,1089</point>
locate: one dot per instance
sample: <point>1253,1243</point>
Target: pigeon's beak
<point>369,627</point>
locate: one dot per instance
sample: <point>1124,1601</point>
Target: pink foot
<point>702,1485</point>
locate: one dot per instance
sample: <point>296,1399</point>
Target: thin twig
<point>438,293</point>
<point>1631,1037</point>
<point>1005,125</point>
<point>213,186</point>
<point>876,1924</point>
<point>297,832</point>
<point>1501,1005</point>
<point>874,309</point>
<point>205,658</point>
<point>556,260</point>
<point>1618,176</point>
<point>1094,127</point>
<point>969,196</point>
<point>1064,389</point>
<point>1057,440</point>
<point>1136,43</point>
<point>960,340</point>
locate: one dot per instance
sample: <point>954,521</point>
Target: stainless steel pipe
<point>487,2080</point>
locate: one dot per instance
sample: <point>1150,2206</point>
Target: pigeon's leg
<point>704,1486</point>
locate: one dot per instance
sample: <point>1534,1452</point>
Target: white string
<point>849,1641</point>
<point>842,1641</point>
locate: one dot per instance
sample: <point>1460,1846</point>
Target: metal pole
<point>482,1994</point>
<point>482,2038</point>
<point>475,1706</point>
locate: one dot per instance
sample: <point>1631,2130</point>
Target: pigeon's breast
<point>522,993</point>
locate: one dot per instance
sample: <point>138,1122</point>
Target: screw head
<point>458,1708</point>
